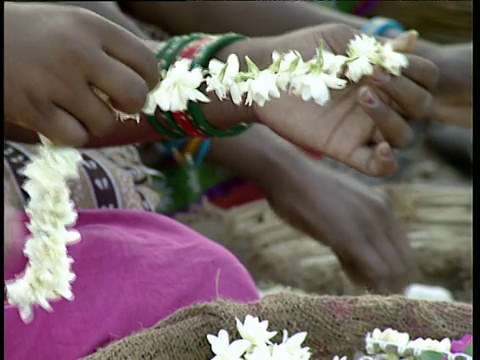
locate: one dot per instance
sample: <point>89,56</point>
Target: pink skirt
<point>133,269</point>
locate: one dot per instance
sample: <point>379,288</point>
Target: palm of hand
<point>341,128</point>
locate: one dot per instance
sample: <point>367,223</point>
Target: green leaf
<point>251,67</point>
<point>431,355</point>
<point>469,350</point>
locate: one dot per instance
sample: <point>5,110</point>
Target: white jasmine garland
<point>48,274</point>
<point>288,72</point>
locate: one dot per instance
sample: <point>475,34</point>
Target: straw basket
<point>438,221</point>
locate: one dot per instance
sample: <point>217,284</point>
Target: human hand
<point>348,217</point>
<point>55,55</point>
<point>362,122</point>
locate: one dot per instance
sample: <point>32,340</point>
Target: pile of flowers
<point>48,276</point>
<point>255,344</point>
<point>391,344</point>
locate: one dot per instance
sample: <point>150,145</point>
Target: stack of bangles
<point>200,48</point>
<point>190,131</point>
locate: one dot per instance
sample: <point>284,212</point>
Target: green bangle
<point>201,58</point>
<point>166,56</point>
<point>160,128</point>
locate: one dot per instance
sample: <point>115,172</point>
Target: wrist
<point>224,114</point>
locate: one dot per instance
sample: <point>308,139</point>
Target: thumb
<point>405,42</point>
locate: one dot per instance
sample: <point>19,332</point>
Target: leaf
<point>431,355</point>
<point>469,350</point>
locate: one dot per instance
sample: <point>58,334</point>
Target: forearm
<point>257,155</point>
<point>265,18</point>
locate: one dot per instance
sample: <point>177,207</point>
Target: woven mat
<point>438,220</point>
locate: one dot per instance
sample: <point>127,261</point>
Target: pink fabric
<point>133,269</point>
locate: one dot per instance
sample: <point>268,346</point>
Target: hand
<point>360,123</point>
<point>350,218</point>
<point>55,55</point>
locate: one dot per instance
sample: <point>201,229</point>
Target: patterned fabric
<point>110,178</point>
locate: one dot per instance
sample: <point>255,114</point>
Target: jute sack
<point>335,325</point>
<point>437,219</point>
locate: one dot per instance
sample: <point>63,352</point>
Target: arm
<point>310,197</point>
<point>265,18</point>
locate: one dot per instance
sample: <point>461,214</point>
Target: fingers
<point>126,90</point>
<point>365,265</point>
<point>414,100</point>
<point>133,52</point>
<point>95,115</point>
<point>391,125</point>
<point>377,161</point>
<point>72,133</point>
<point>422,71</point>
<point>388,248</point>
<point>405,42</point>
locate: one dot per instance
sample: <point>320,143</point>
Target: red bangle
<point>183,120</point>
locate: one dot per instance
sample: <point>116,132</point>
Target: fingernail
<point>380,76</point>
<point>385,153</point>
<point>368,98</point>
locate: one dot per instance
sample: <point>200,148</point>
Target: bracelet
<point>165,56</point>
<point>380,25</point>
<point>201,52</point>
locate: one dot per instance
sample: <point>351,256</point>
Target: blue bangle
<point>202,152</point>
<point>379,25</point>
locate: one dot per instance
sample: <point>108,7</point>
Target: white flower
<point>262,352</point>
<point>333,64</point>
<point>294,343</point>
<point>316,86</point>
<point>392,61</point>
<point>179,86</point>
<point>222,77</point>
<point>363,53</point>
<point>388,340</point>
<point>260,88</point>
<point>363,46</point>
<point>255,331</point>
<point>419,345</point>
<point>358,68</point>
<point>336,357</point>
<point>48,274</point>
<point>222,348</point>
<point>291,65</point>
<point>150,105</point>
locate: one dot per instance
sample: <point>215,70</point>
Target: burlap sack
<point>335,325</point>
